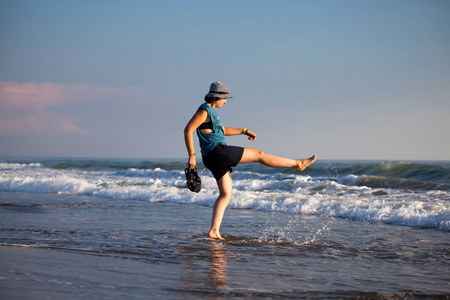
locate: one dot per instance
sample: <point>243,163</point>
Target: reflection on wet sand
<point>205,271</point>
<point>219,264</point>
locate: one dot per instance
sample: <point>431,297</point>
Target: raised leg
<point>225,189</point>
<point>254,155</point>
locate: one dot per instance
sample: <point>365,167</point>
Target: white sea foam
<point>14,166</point>
<point>287,193</point>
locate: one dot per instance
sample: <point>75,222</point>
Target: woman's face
<point>221,102</point>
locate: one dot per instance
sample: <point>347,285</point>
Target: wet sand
<point>76,247</point>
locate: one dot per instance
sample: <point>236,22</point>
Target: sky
<point>120,79</point>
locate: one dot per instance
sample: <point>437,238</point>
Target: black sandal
<point>194,182</point>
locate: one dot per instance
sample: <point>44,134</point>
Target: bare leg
<point>225,189</point>
<point>254,155</point>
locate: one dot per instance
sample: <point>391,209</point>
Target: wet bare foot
<point>304,163</point>
<point>215,235</point>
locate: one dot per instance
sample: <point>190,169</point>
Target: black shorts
<point>220,160</point>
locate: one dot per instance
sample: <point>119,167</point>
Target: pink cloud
<point>42,123</point>
<point>28,107</point>
<point>39,96</point>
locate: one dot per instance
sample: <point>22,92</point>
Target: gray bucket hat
<point>218,90</point>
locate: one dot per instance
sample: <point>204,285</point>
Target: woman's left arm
<point>237,131</point>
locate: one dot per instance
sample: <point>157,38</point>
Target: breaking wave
<point>400,193</point>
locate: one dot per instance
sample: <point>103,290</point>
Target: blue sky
<point>343,79</point>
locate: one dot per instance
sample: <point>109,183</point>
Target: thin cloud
<point>29,108</point>
<point>42,123</point>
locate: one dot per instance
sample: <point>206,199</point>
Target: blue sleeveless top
<point>209,141</point>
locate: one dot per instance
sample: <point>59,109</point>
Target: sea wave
<point>360,195</point>
<point>434,172</point>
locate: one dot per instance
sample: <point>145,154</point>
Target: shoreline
<point>112,248</point>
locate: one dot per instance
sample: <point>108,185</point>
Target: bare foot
<point>304,163</point>
<point>215,235</point>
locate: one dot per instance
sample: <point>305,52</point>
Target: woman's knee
<point>226,193</point>
<point>259,155</point>
<point>225,186</point>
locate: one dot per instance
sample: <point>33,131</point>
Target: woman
<point>219,157</point>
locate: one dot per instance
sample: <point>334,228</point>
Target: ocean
<point>130,229</point>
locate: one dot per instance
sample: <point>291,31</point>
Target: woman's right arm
<point>199,117</point>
